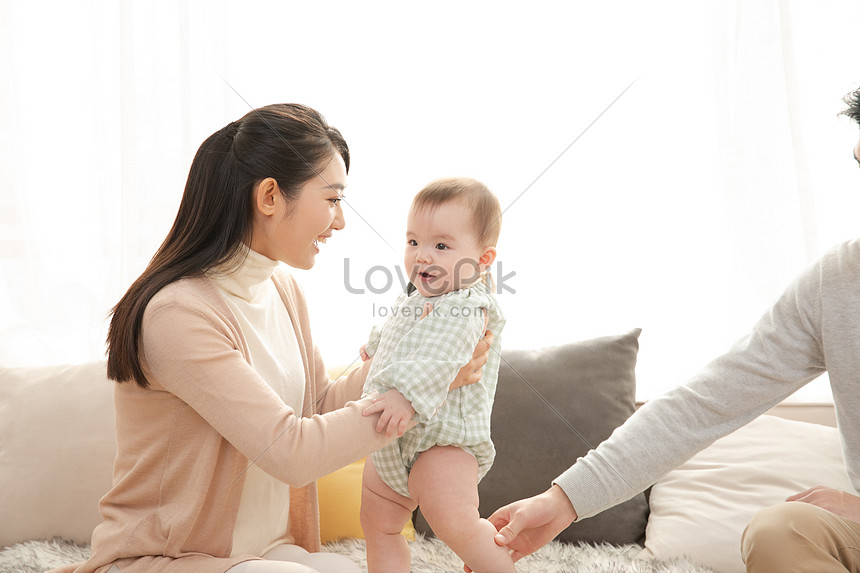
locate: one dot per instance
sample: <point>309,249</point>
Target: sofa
<point>552,405</point>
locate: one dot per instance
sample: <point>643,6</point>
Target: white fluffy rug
<point>428,556</point>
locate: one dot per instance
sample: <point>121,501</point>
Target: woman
<point>225,415</point>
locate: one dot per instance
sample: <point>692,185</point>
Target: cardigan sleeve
<point>334,394</point>
<point>192,352</point>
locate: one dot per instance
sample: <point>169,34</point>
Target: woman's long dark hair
<point>287,142</point>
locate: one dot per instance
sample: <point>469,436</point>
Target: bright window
<point>685,209</point>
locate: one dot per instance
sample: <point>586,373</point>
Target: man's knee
<point>775,530</point>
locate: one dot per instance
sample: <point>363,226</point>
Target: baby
<point>451,234</point>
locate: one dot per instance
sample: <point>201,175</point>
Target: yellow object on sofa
<point>340,493</point>
<point>340,503</point>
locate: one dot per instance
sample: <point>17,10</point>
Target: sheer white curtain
<point>684,210</point>
<point>97,134</point>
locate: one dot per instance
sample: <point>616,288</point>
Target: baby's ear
<point>487,258</point>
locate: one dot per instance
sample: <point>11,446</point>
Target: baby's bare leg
<point>384,512</point>
<point>444,482</point>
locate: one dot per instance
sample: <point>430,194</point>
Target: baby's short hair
<point>485,208</point>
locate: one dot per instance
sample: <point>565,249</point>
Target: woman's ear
<point>487,258</point>
<point>266,196</point>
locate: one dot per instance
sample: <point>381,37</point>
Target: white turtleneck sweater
<point>250,293</point>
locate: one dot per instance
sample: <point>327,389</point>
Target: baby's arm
<point>396,410</point>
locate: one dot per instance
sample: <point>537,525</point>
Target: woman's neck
<point>244,275</point>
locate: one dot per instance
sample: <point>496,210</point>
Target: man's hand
<point>396,410</point>
<point>835,501</point>
<point>472,372</point>
<point>527,525</point>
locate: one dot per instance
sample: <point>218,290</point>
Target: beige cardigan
<point>184,443</point>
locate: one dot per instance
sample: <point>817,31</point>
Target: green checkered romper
<point>420,358</point>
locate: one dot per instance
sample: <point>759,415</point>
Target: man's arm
<point>782,353</point>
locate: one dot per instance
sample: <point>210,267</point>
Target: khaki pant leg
<point>800,537</point>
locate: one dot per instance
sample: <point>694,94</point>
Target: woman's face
<point>291,232</point>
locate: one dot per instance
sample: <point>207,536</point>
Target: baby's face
<point>442,249</point>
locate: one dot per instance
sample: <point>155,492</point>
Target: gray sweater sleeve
<point>782,353</point>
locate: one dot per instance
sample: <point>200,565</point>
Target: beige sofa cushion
<point>701,508</point>
<point>57,447</point>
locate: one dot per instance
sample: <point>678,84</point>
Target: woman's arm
<point>190,353</point>
<point>335,394</point>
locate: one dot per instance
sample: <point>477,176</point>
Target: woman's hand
<point>397,413</point>
<point>835,501</point>
<point>472,372</point>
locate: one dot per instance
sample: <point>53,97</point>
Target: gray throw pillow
<point>553,405</point>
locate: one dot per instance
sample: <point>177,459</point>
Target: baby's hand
<point>396,410</point>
